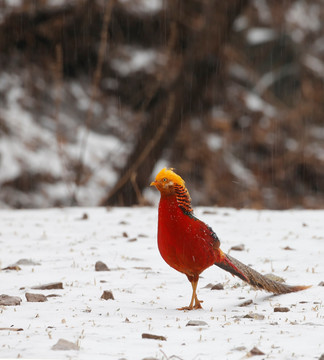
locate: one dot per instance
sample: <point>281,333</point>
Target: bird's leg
<point>194,295</point>
<point>194,303</point>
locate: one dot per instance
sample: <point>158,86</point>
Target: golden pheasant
<point>190,246</point>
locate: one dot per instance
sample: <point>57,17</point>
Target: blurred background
<point>97,96</point>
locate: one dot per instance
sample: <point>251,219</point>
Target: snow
<point>134,59</point>
<point>147,292</point>
<point>255,103</point>
<point>31,144</point>
<point>239,170</point>
<point>256,36</point>
<point>315,65</point>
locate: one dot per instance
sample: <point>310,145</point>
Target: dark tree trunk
<point>197,30</point>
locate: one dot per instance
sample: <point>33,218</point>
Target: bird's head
<point>166,181</point>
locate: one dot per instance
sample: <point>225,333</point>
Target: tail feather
<point>254,278</point>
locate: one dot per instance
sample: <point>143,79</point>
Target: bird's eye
<point>165,179</point>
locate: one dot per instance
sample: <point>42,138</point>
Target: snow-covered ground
<point>66,244</point>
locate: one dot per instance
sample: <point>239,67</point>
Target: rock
<point>147,268</point>
<point>246,303</point>
<point>53,295</point>
<point>288,248</point>
<point>63,344</point>
<point>218,286</point>
<point>85,216</point>
<point>239,348</point>
<point>123,222</point>
<point>322,357</point>
<point>7,300</point>
<point>239,247</point>
<point>49,286</point>
<point>254,316</point>
<point>208,286</point>
<point>255,351</point>
<point>101,266</point>
<point>281,309</point>
<point>107,295</point>
<point>142,236</point>
<point>27,262</point>
<point>196,323</point>
<point>209,212</point>
<point>132,240</point>
<point>35,297</point>
<point>321,283</point>
<point>153,337</point>
<point>12,329</point>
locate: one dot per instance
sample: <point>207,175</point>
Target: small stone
<point>239,348</point>
<point>208,286</point>
<point>288,248</point>
<point>53,295</point>
<point>65,345</point>
<point>196,323</point>
<point>147,268</point>
<point>254,316</point>
<point>246,303</point>
<point>85,216</point>
<point>107,295</point>
<point>153,337</point>
<point>240,247</point>
<point>142,235</point>
<point>101,266</point>
<point>27,262</point>
<point>35,297</point>
<point>218,286</point>
<point>209,212</point>
<point>321,283</point>
<point>281,309</point>
<point>322,357</point>
<point>125,235</point>
<point>7,300</point>
<point>132,240</point>
<point>49,286</point>
<point>255,351</point>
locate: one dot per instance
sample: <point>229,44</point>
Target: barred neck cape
<point>183,199</point>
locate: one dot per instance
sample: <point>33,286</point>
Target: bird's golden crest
<point>168,183</point>
<point>170,175</point>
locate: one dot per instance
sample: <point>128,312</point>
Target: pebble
<point>153,337</point>
<point>101,266</point>
<point>35,297</point>
<point>107,295</point>
<point>196,323</point>
<point>281,309</point>
<point>49,286</point>
<point>7,300</point>
<point>63,344</point>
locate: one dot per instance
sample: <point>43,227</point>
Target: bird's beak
<point>153,183</point>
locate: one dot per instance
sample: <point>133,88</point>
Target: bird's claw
<point>192,307</point>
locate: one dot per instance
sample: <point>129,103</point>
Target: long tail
<point>254,278</point>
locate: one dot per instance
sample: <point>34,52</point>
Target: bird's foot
<point>192,307</point>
